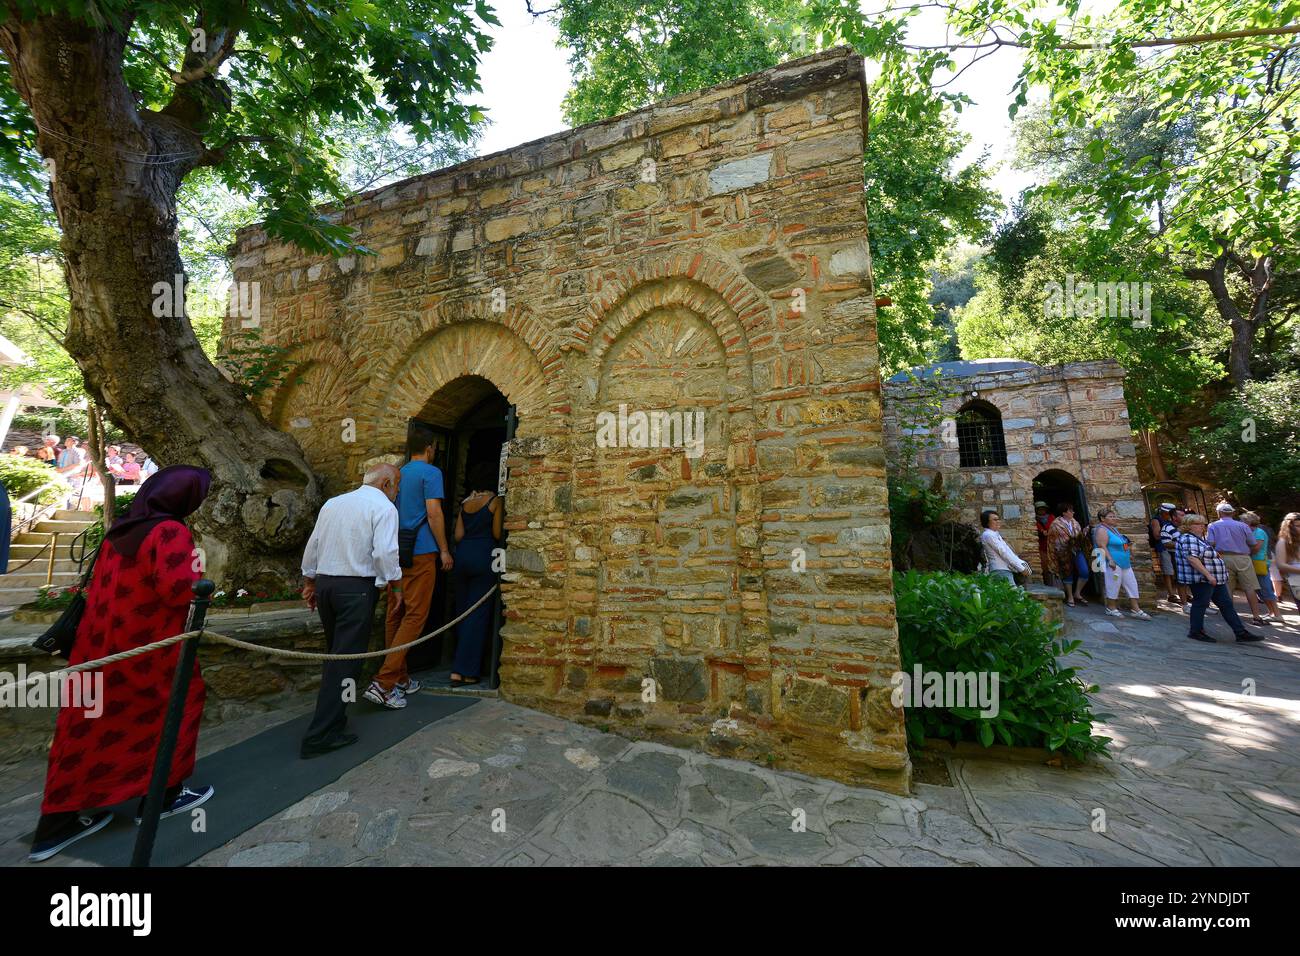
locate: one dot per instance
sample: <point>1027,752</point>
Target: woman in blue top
<point>1116,552</point>
<point>478,529</point>
<point>1263,572</point>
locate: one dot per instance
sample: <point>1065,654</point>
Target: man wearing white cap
<point>1235,540</point>
<point>1163,534</point>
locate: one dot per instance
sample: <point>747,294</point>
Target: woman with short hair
<point>1116,551</point>
<point>999,560</point>
<point>1204,572</point>
<point>1261,558</point>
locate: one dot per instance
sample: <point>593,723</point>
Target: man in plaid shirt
<point>1171,518</point>
<point>1206,575</point>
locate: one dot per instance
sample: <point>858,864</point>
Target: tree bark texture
<point>115,171</point>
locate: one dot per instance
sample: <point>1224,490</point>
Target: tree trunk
<point>95,445</point>
<point>115,174</point>
<point>1152,439</point>
<point>1243,327</point>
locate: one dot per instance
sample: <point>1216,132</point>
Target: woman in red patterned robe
<point>140,593</point>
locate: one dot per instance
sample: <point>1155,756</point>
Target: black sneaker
<point>187,799</point>
<point>83,826</point>
<point>1245,637</point>
<point>1203,637</point>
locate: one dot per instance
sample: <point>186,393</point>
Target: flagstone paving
<point>1206,770</point>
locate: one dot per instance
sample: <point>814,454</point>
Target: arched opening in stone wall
<point>471,421</point>
<point>1055,487</point>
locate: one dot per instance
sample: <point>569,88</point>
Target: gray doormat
<point>257,779</point>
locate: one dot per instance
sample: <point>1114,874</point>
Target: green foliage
<point>63,422</point>
<point>922,531</point>
<point>55,598</point>
<point>1255,448</point>
<point>628,53</point>
<point>1178,353</point>
<point>24,475</point>
<point>954,623</point>
<point>254,365</point>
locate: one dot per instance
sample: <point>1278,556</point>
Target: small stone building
<point>664,325</point>
<point>1013,433</point>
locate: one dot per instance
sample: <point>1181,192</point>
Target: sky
<point>526,75</point>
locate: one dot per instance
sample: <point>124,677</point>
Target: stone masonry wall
<point>1072,418</point>
<point>706,254</point>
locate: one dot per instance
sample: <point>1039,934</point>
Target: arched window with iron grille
<point>979,436</point>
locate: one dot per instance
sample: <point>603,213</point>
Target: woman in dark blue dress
<point>478,530</point>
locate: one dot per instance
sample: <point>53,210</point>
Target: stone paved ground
<point>1203,774</point>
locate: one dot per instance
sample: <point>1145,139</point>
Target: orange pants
<point>405,622</point>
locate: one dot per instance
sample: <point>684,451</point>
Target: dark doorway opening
<point>1056,487</point>
<point>478,435</point>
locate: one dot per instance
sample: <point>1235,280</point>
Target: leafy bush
<point>24,475</point>
<point>1255,448</point>
<point>63,422</point>
<point>53,598</point>
<point>956,623</point>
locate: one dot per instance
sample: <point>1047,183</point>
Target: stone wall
<point>706,254</point>
<point>1071,418</point>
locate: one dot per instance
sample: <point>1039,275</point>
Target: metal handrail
<point>41,511</point>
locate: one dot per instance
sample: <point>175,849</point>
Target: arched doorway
<point>1055,486</point>
<point>472,421</point>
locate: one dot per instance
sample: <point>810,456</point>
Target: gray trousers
<point>347,608</point>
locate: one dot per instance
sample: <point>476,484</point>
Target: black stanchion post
<point>162,765</point>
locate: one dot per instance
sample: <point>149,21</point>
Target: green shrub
<point>63,422</point>
<point>24,475</point>
<point>956,623</point>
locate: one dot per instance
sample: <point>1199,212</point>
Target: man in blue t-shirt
<point>419,509</point>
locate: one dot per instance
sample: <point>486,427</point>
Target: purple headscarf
<point>169,494</point>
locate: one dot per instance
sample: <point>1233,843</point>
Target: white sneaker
<point>1187,608</point>
<point>1140,615</point>
<point>391,699</point>
<point>1114,612</point>
<point>412,686</point>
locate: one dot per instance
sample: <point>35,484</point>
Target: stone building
<point>1013,433</point>
<point>587,306</point>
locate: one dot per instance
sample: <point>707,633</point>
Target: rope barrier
<point>245,645</point>
<point>310,656</point>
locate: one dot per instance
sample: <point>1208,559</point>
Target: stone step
<point>70,528</point>
<point>30,578</point>
<point>40,565</point>
<point>82,517</point>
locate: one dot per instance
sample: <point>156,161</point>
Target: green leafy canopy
<point>282,74</point>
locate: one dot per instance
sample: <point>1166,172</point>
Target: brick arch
<point>300,357</point>
<point>486,350</point>
<point>723,299</point>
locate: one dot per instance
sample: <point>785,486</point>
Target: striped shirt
<point>1190,546</point>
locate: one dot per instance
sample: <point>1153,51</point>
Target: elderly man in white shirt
<point>351,554</point>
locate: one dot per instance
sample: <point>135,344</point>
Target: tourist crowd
<point>1201,562</point>
<point>70,459</point>
<point>388,535</point>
